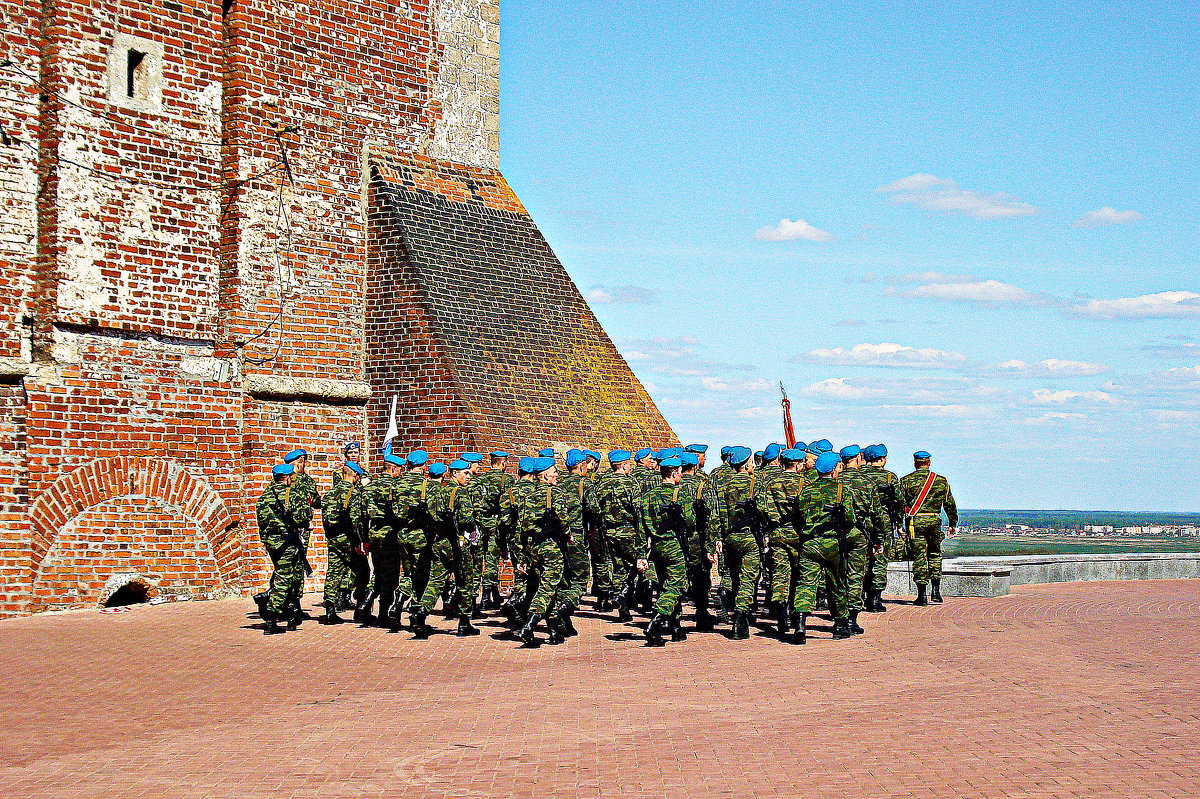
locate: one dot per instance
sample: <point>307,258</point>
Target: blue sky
<point>965,228</point>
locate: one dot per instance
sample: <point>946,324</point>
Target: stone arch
<point>153,479</point>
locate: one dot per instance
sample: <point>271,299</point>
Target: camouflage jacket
<point>579,488</point>
<point>738,500</point>
<point>780,504</point>
<point>486,489</point>
<point>766,475</point>
<point>513,537</point>
<point>888,485</point>
<point>939,498</point>
<point>817,500</point>
<point>280,510</point>
<point>666,513</point>
<point>344,513</point>
<point>452,510</point>
<point>310,494</point>
<point>867,507</point>
<point>616,501</point>
<point>546,513</point>
<point>707,509</point>
<point>411,497</point>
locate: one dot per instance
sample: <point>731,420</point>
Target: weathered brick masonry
<point>180,303</point>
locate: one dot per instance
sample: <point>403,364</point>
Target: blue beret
<point>470,457</point>
<point>772,452</point>
<point>663,454</point>
<point>739,455</point>
<point>699,449</point>
<point>670,463</point>
<point>394,460</point>
<point>542,464</point>
<point>850,452</point>
<point>792,455</point>
<point>800,445</point>
<point>525,465</point>
<point>641,453</point>
<point>294,455</point>
<point>546,452</point>
<point>458,464</point>
<point>619,456</point>
<point>921,456</point>
<point>499,453</point>
<point>418,457</point>
<point>354,467</point>
<point>593,454</point>
<point>725,451</point>
<point>827,462</point>
<point>823,444</point>
<point>351,445</point>
<point>689,459</point>
<point>437,469</point>
<point>574,458</point>
<point>282,469</point>
<point>880,451</point>
<point>874,452</point>
<point>813,449</point>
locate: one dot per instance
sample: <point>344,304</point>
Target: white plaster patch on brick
<point>467,85</point>
<point>18,185</point>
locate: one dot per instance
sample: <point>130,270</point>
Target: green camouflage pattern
<point>924,530</point>
<point>894,545</point>
<point>544,516</point>
<point>780,505</point>
<point>743,555</point>
<point>821,551</point>
<point>281,513</point>
<point>665,514</point>
<point>346,521</point>
<point>453,517</point>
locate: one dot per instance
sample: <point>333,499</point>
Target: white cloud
<point>1045,396</point>
<point>742,386</point>
<point>793,230</point>
<point>1107,216</point>
<point>1186,372</point>
<point>942,411</point>
<point>1051,367</point>
<point>836,388</point>
<point>934,277</point>
<point>621,295</point>
<point>1165,304</point>
<point>889,354</point>
<point>1055,417</point>
<point>757,413</point>
<point>987,292</point>
<point>674,357</point>
<point>942,194</point>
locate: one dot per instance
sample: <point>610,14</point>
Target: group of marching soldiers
<point>643,534</point>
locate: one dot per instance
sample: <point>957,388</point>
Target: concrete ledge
<point>306,388</point>
<point>994,576</point>
<point>12,370</point>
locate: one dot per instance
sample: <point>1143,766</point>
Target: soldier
<point>577,568</point>
<point>925,495</point>
<point>281,517</point>
<point>742,545</point>
<point>412,492</point>
<point>346,522</point>
<point>888,485</point>
<point>701,551</point>
<point>615,502</point>
<point>350,452</point>
<point>866,536</point>
<point>780,507</point>
<point>664,515</point>
<point>490,486</point>
<point>828,515</point>
<point>544,515</point>
<point>387,521</point>
<point>303,484</point>
<point>718,478</point>
<point>453,522</point>
<point>603,585</point>
<point>474,550</point>
<point>514,545</point>
<point>645,468</point>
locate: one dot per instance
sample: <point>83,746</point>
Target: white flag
<point>392,432</point>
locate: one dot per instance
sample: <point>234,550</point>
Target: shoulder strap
<point>675,494</point>
<point>549,496</point>
<point>511,501</point>
<point>920,501</point>
<point>581,487</point>
<point>839,493</point>
<point>752,477</point>
<point>424,483</point>
<point>454,494</point>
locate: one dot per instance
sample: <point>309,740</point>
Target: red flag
<point>788,432</point>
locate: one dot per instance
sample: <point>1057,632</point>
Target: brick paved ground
<point>1072,690</point>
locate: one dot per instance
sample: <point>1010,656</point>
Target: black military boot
<point>564,620</point>
<point>491,599</point>
<point>465,628</point>
<point>935,593</point>
<point>677,631</point>
<point>741,625</point>
<point>920,601</point>
<point>781,620</point>
<point>654,629</point>
<point>841,629</point>
<point>294,618</point>
<point>270,626</point>
<point>554,630</point>
<point>362,613</point>
<point>450,603</point>
<point>854,625</point>
<point>344,601</point>
<point>416,622</point>
<point>261,600</point>
<point>528,633</point>
<point>705,621</point>
<point>510,612</point>
<point>622,603</point>
<point>821,603</point>
<point>801,635</point>
<point>330,616</point>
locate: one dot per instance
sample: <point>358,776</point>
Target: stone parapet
<point>984,577</point>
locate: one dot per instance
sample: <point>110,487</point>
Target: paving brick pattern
<point>1054,691</point>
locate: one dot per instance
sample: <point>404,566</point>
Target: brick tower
<point>233,229</point>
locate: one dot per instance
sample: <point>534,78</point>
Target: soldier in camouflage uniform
<point>645,469</point>
<point>282,516</point>
<point>702,540</point>
<point>474,551</point>
<point>356,587</point>
<point>577,568</point>
<point>923,522</point>
<point>544,516</point>
<point>780,505</point>
<point>388,516</point>
<point>603,587</point>
<point>828,514</point>
<point>453,523</point>
<point>765,475</point>
<point>866,536</point>
<point>615,500</point>
<point>490,486</point>
<point>412,491</point>
<point>346,522</point>
<point>665,514</point>
<point>888,486</point>
<point>514,542</point>
<point>742,527</point>
<point>718,478</point>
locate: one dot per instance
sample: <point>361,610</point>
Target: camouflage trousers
<point>490,551</point>
<point>385,566</point>
<point>744,560</point>
<point>338,571</point>
<point>602,567</point>
<point>358,581</point>
<point>925,547</point>
<point>669,564</point>
<point>857,549</point>
<point>785,554</point>
<point>699,576</point>
<point>472,570</point>
<point>287,576</point>
<point>443,564</point>
<point>546,576</point>
<point>624,548</point>
<point>877,565</point>
<point>821,556</point>
<point>415,558</point>
<point>577,570</point>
